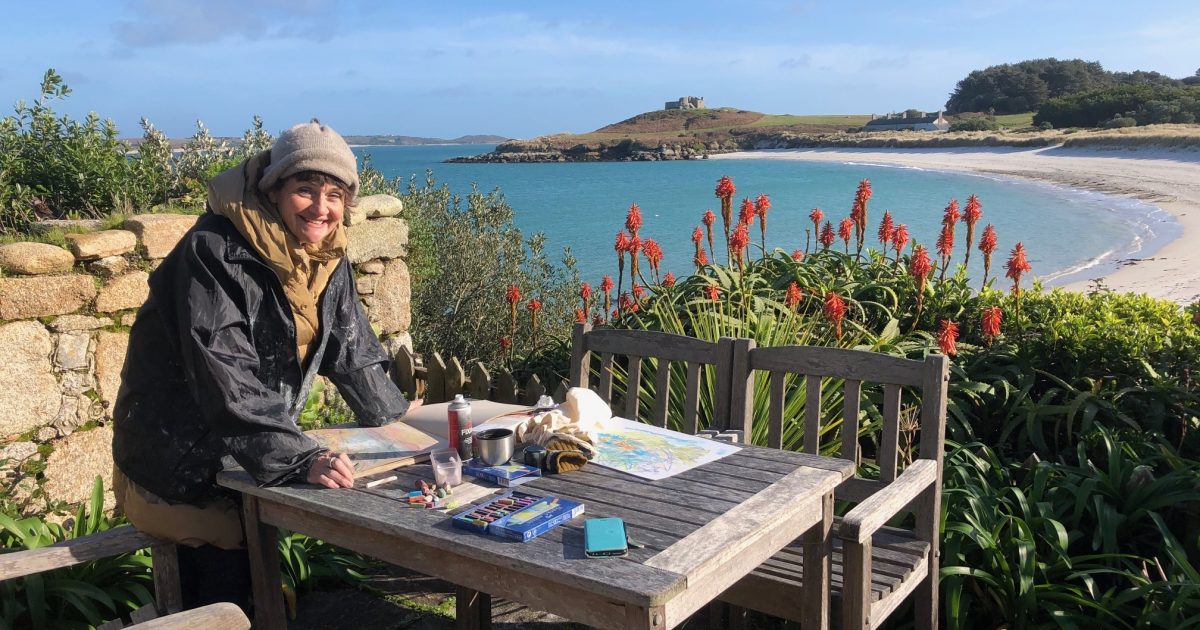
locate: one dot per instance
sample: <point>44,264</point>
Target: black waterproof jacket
<point>212,369</point>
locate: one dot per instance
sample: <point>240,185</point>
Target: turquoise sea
<point>1069,235</point>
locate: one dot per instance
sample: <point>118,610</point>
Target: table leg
<point>472,609</point>
<point>817,553</point>
<point>262,543</point>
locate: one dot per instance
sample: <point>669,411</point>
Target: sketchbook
<point>376,449</point>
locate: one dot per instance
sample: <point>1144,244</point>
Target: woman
<point>255,301</point>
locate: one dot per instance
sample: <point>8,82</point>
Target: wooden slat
<point>269,613</point>
<point>606,378</point>
<point>221,616</point>
<point>691,402</point>
<point>74,551</point>
<point>738,395</point>
<point>456,377</point>
<point>168,593</point>
<point>404,372</point>
<point>890,439</point>
<point>775,410</point>
<point>632,387</point>
<point>812,414</point>
<point>838,362</point>
<point>435,380</point>
<point>534,390</point>
<point>142,615</point>
<point>580,357</point>
<point>505,390</point>
<point>639,342</point>
<point>472,609</point>
<point>856,585</point>
<point>851,406</point>
<point>662,392</point>
<point>480,383</point>
<point>861,522</point>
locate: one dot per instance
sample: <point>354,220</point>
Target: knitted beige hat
<point>311,146</point>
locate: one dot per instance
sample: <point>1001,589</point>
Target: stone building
<point>892,122</point>
<point>686,102</point>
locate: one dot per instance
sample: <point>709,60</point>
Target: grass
<point>1015,121</point>
<point>847,120</point>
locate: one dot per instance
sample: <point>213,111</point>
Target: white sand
<point>1167,179</point>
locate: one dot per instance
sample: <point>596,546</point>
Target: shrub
<point>983,123</point>
<point>1119,122</point>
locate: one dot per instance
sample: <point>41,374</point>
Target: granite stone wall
<point>65,315</point>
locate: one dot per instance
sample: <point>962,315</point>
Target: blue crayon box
<point>504,475</point>
<point>517,516</point>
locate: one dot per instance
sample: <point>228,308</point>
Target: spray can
<point>458,411</point>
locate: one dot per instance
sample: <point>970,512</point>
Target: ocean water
<point>1069,235</point>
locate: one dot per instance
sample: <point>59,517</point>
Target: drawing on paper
<point>373,449</point>
<point>650,452</point>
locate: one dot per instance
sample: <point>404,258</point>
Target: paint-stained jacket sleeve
<point>356,362</point>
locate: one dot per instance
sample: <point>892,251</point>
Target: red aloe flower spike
<point>606,285</point>
<point>708,219</point>
<point>580,316</point>
<point>846,230</point>
<point>794,295</point>
<point>971,216</point>
<point>827,235</point>
<point>816,216</point>
<point>513,294</point>
<point>951,214</point>
<point>945,247</point>
<point>700,259</point>
<point>638,291</point>
<point>746,212</point>
<point>947,335</point>
<point>668,280</point>
<point>738,242</point>
<point>797,255</point>
<point>633,219</point>
<point>885,231</point>
<point>990,323</point>
<point>621,246</point>
<point>987,245</point>
<point>697,235</point>
<point>725,190</point>
<point>761,205</point>
<point>899,240</point>
<point>919,268</point>
<point>1017,265</point>
<point>585,293</point>
<point>835,310</point>
<point>534,306</point>
<point>654,255</point>
<point>861,196</point>
<point>635,246</point>
<point>505,343</point>
<point>714,292</point>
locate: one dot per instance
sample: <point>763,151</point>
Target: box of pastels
<point>517,515</point>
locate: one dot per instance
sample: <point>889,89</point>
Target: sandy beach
<point>1168,179</point>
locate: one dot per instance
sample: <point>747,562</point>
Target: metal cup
<point>494,447</point>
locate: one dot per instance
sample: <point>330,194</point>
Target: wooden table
<point>703,530</point>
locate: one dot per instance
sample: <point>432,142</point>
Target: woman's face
<point>308,209</point>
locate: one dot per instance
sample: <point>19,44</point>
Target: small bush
<point>1119,122</point>
<point>983,123</point>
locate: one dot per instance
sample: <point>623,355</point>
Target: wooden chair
<point>220,616</point>
<point>874,567</point>
<point>119,540</point>
<point>640,348</point>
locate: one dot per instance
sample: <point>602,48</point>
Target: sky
<point>522,69</point>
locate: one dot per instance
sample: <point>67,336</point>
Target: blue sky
<point>522,69</point>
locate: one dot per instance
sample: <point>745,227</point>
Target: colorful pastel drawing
<point>654,453</point>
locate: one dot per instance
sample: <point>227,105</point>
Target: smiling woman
<point>254,302</point>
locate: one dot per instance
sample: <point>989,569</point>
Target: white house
<point>928,122</point>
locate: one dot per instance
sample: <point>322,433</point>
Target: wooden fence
<point>437,380</point>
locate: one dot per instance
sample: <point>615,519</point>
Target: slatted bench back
<point>903,384</point>
<point>642,360</point>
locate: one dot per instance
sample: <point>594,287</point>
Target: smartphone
<point>604,538</point>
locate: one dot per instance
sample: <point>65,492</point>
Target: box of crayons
<point>517,516</point>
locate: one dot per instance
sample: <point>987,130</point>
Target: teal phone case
<point>604,537</point>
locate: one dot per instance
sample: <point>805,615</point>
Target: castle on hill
<point>686,102</point>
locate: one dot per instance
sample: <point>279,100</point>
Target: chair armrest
<point>74,551</point>
<point>867,517</point>
<point>223,616</point>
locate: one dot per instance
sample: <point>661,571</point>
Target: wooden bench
<point>875,567</point>
<point>646,358</point>
<point>219,616</point>
<point>119,540</point>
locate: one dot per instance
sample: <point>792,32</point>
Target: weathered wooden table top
<point>702,529</point>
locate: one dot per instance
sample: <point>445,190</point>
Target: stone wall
<point>64,329</point>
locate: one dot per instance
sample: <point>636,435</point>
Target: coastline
<point>1166,179</point>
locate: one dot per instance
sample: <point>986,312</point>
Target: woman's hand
<point>332,470</point>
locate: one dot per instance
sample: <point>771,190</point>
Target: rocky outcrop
<point>95,245</point>
<point>41,296</point>
<point>388,303</point>
<point>126,291</point>
<point>382,238</point>
<point>160,232</point>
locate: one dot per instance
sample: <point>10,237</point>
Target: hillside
<point>669,134</point>
<point>385,140</point>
